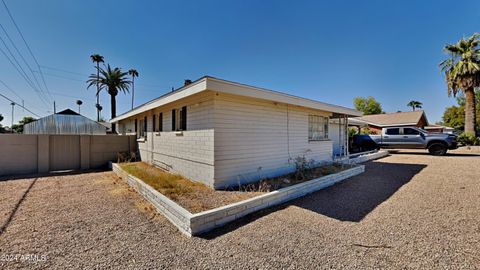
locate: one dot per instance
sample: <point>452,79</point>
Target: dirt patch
<point>195,197</point>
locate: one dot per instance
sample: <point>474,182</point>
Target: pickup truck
<point>408,138</point>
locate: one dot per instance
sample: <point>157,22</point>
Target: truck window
<point>392,131</point>
<point>410,131</point>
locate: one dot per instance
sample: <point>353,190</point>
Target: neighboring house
<point>223,133</point>
<point>376,122</point>
<point>439,129</point>
<point>66,122</point>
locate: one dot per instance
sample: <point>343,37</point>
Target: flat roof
<point>223,86</point>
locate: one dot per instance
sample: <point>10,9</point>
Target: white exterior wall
<point>255,139</point>
<point>230,139</point>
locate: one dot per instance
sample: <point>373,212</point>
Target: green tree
<point>462,74</point>
<point>367,105</point>
<point>1,117</point>
<point>97,58</point>
<point>415,104</point>
<point>113,81</point>
<point>18,128</point>
<point>134,73</point>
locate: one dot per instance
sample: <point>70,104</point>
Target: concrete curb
<point>195,224</point>
<point>368,157</point>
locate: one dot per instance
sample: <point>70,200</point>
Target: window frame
<point>321,124</point>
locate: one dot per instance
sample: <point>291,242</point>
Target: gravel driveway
<point>409,210</point>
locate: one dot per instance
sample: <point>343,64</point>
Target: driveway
<point>408,210</point>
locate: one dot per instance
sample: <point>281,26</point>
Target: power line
<point>21,106</point>
<point>28,47</point>
<point>24,76</point>
<point>63,70</point>
<point>17,95</point>
<point>19,53</point>
<point>63,77</point>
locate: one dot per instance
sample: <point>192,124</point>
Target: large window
<point>317,128</point>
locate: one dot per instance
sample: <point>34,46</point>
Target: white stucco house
<point>222,133</point>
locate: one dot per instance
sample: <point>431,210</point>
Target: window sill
<point>324,140</point>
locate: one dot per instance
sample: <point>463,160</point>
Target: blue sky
<point>331,51</point>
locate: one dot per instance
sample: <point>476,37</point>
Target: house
<point>223,133</point>
<point>375,122</point>
<point>66,122</point>
<point>439,129</point>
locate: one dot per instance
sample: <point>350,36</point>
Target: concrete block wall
<point>189,153</point>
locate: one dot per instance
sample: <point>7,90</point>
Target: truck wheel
<point>437,149</point>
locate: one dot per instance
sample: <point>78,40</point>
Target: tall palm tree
<point>415,104</point>
<point>97,58</point>
<point>113,81</point>
<point>79,103</point>
<point>134,73</point>
<point>462,73</point>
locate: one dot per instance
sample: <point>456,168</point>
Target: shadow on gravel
<point>403,152</point>
<point>350,200</point>
<point>355,198</point>
<point>15,208</point>
<point>57,173</point>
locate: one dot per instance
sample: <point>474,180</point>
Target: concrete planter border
<point>368,156</point>
<point>195,224</point>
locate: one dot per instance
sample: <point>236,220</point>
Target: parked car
<point>408,138</point>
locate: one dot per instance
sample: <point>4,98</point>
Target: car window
<point>392,131</point>
<point>410,131</point>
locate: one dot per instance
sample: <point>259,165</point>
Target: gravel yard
<point>409,210</point>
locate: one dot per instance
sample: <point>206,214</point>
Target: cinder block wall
<point>189,153</point>
<point>27,154</point>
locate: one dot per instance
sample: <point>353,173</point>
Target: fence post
<point>43,153</point>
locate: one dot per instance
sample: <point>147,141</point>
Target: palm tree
<point>462,73</point>
<point>134,73</point>
<point>113,81</point>
<point>97,58</point>
<point>79,103</point>
<point>415,104</point>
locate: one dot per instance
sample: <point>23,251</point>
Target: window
<point>154,123</point>
<point>179,119</point>
<point>410,131</point>
<point>317,128</point>
<point>141,134</point>
<point>393,131</point>
<point>144,124</point>
<point>136,125</point>
<point>160,122</point>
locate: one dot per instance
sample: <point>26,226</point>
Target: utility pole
<point>54,108</point>
<point>13,109</point>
